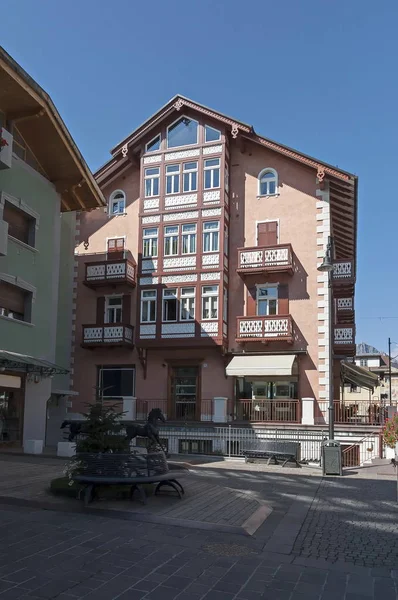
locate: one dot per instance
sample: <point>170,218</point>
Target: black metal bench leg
<point>141,492</point>
<point>178,484</point>
<point>89,493</point>
<point>169,483</point>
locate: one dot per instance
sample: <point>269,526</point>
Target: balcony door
<point>267,233</point>
<point>184,388</point>
<point>115,249</point>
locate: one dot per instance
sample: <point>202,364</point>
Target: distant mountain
<point>363,348</point>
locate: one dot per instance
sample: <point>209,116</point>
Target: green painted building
<point>43,182</point>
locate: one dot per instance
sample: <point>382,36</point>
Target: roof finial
<point>125,150</point>
<point>179,104</point>
<point>320,174</point>
<point>234,130</point>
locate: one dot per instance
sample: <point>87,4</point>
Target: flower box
<point>5,148</point>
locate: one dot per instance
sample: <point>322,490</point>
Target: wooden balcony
<point>343,272</point>
<point>111,272</point>
<point>274,328</point>
<point>344,339</point>
<point>110,336</point>
<point>265,259</point>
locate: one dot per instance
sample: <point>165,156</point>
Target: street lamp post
<point>327,267</point>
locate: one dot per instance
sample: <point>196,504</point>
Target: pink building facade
<point>197,289</point>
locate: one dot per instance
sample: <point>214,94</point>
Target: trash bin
<point>331,458</point>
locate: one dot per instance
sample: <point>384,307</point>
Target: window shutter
<point>251,302</point>
<point>283,299</point>
<point>100,310</point>
<point>267,233</point>
<point>18,222</point>
<point>12,297</point>
<point>126,309</point>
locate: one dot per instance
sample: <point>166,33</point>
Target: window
<point>226,240</point>
<point>211,236</point>
<point>15,302</point>
<point>267,300</point>
<point>363,362</point>
<point>150,242</point>
<point>225,306</point>
<point>189,238</point>
<point>354,389</point>
<point>117,203</point>
<point>187,304</point>
<point>116,382</point>
<point>190,177</point>
<point>152,182</point>
<point>21,225</point>
<point>267,182</point>
<point>172,179</point>
<point>212,173</point>
<point>115,245</point>
<point>171,240</point>
<point>183,132</point>
<point>153,145</point>
<point>170,305</point>
<point>210,302</point>
<point>148,306</point>
<point>211,134</point>
<point>226,183</point>
<point>113,309</point>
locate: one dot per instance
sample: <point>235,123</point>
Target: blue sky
<point>317,75</point>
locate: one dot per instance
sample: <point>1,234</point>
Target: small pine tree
<point>102,431</point>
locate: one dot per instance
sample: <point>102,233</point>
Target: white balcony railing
<point>264,328</point>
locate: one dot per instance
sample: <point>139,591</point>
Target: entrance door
<point>267,233</point>
<point>11,416</point>
<point>184,393</point>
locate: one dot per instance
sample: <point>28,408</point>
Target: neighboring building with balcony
<point>214,309</point>
<point>43,180</point>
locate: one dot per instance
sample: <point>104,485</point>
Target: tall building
<point>198,288</point>
<point>43,180</point>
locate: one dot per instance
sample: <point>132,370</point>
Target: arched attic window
<point>117,203</point>
<point>268,182</point>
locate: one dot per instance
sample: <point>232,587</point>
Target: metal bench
<point>126,469</point>
<point>279,450</point>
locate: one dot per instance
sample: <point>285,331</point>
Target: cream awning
<point>351,373</point>
<point>265,365</point>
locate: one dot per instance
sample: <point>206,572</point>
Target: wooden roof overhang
<point>342,185</point>
<point>27,105</point>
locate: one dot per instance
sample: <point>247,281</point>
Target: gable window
<point>117,203</point>
<point>189,238</point>
<point>170,304</point>
<point>21,225</point>
<point>171,240</point>
<point>211,236</point>
<point>183,132</point>
<point>211,173</point>
<point>210,302</point>
<point>153,145</point>
<point>212,134</point>
<point>172,179</point>
<point>190,177</point>
<point>113,309</point>
<point>267,300</point>
<point>15,302</point>
<point>187,304</point>
<point>268,182</point>
<point>148,306</point>
<point>152,182</point>
<point>150,242</point>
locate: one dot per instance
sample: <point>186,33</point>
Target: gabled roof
<point>32,111</point>
<point>342,185</point>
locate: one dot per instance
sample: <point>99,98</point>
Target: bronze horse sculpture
<point>150,430</point>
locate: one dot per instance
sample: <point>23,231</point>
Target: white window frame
<point>189,173</point>
<point>169,293</point>
<point>150,238</point>
<point>212,237</point>
<point>214,129</point>
<point>175,177</point>
<point>188,296</point>
<point>212,169</point>
<point>275,179</point>
<point>214,293</point>
<point>151,141</point>
<point>185,145</point>
<point>148,300</point>
<point>114,308</point>
<point>268,221</point>
<point>151,178</point>
<point>261,286</point>
<point>113,200</point>
<point>188,235</point>
<point>169,236</point>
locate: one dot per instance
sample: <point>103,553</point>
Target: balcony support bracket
<point>143,358</point>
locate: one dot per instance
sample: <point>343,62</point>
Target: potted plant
<point>390,432</point>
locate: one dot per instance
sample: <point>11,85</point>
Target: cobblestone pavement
<point>352,519</point>
<point>49,554</point>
